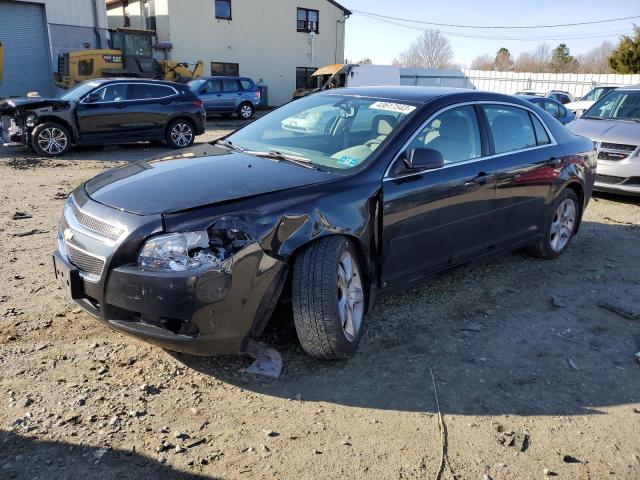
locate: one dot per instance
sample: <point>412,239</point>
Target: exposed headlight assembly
<point>30,120</point>
<point>180,252</point>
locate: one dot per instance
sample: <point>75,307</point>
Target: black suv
<point>104,111</point>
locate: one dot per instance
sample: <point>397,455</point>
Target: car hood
<point>612,131</point>
<point>205,176</point>
<point>10,105</point>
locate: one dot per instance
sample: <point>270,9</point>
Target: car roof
<point>223,77</point>
<point>629,87</point>
<point>416,94</point>
<point>106,81</point>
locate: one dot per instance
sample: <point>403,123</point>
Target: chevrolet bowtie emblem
<point>67,234</point>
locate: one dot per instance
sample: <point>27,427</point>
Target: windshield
<point>336,132</point>
<point>617,104</point>
<point>79,91</point>
<point>137,44</point>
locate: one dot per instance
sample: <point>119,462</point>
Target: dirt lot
<point>531,372</point>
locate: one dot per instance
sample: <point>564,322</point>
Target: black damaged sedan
<point>322,204</point>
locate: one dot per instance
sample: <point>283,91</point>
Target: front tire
<point>246,111</point>
<point>328,298</point>
<point>50,140</point>
<point>180,133</point>
<point>560,226</point>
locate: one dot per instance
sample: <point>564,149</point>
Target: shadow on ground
<point>493,336</point>
<point>27,458</point>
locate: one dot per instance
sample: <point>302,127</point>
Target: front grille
<point>90,266</point>
<point>609,179</point>
<point>104,229</point>
<point>619,146</point>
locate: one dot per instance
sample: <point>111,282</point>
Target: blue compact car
<point>552,106</point>
<point>227,95</point>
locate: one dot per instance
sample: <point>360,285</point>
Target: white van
<point>349,75</point>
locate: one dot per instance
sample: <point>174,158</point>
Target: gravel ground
<point>534,378</point>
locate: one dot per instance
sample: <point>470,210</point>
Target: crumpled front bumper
<point>200,312</point>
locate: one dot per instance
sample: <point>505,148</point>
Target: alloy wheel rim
<point>245,111</point>
<point>350,296</point>
<point>562,226</point>
<point>181,134</point>
<point>52,140</point>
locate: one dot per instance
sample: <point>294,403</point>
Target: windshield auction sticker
<point>393,107</point>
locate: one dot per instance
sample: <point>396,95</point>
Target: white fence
<point>510,82</point>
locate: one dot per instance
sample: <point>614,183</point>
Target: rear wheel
<point>560,226</point>
<point>328,298</point>
<point>50,139</point>
<point>246,111</point>
<point>180,133</point>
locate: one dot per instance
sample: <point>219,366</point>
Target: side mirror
<point>423,159</point>
<point>92,97</point>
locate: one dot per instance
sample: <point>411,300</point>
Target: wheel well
<point>246,102</point>
<point>59,121</point>
<point>579,191</point>
<point>186,119</point>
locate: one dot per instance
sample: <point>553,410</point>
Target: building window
<point>308,20</point>
<point>303,74</point>
<point>223,9</point>
<point>220,69</point>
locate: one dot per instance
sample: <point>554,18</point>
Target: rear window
<point>246,84</point>
<point>511,128</point>
<point>148,92</point>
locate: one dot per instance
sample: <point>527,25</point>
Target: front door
<point>439,218</point>
<point>106,117</point>
<point>211,94</point>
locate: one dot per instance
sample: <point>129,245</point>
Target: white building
<point>278,43</point>
<point>34,32</point>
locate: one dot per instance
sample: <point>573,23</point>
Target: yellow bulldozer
<point>130,55</point>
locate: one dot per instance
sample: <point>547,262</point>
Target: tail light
<point>198,103</point>
<point>259,94</point>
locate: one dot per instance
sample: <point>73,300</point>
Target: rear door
<point>438,218</point>
<point>106,118</point>
<point>524,162</point>
<point>149,108</point>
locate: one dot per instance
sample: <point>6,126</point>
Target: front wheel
<point>560,226</point>
<point>50,140</point>
<point>328,298</point>
<point>180,134</point>
<point>246,110</point>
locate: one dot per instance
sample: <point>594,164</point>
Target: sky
<point>383,41</point>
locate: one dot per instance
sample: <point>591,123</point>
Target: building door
<point>27,62</point>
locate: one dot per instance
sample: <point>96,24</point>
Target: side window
<point>542,138</point>
<point>246,84</point>
<point>213,86</point>
<point>85,67</point>
<point>511,128</point>
<point>552,108</point>
<point>230,86</point>
<point>454,133</point>
<point>148,92</point>
<point>113,93</point>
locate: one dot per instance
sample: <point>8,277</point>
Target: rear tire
<point>50,140</point>
<point>180,133</point>
<point>561,224</point>
<point>328,298</point>
<point>246,111</point>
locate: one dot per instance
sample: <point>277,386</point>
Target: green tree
<point>503,62</point>
<point>626,57</point>
<point>561,60</point>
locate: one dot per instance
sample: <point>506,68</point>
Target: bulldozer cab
<point>137,53</point>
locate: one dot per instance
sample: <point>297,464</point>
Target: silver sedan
<point>613,123</point>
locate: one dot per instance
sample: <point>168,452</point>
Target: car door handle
<point>481,179</point>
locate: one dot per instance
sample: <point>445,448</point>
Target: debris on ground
<point>517,440</point>
<point>20,216</point>
<point>572,364</point>
<point>35,231</point>
<point>558,303</point>
<point>570,459</point>
<point>268,361</point>
<point>623,312</point>
<point>638,356</point>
